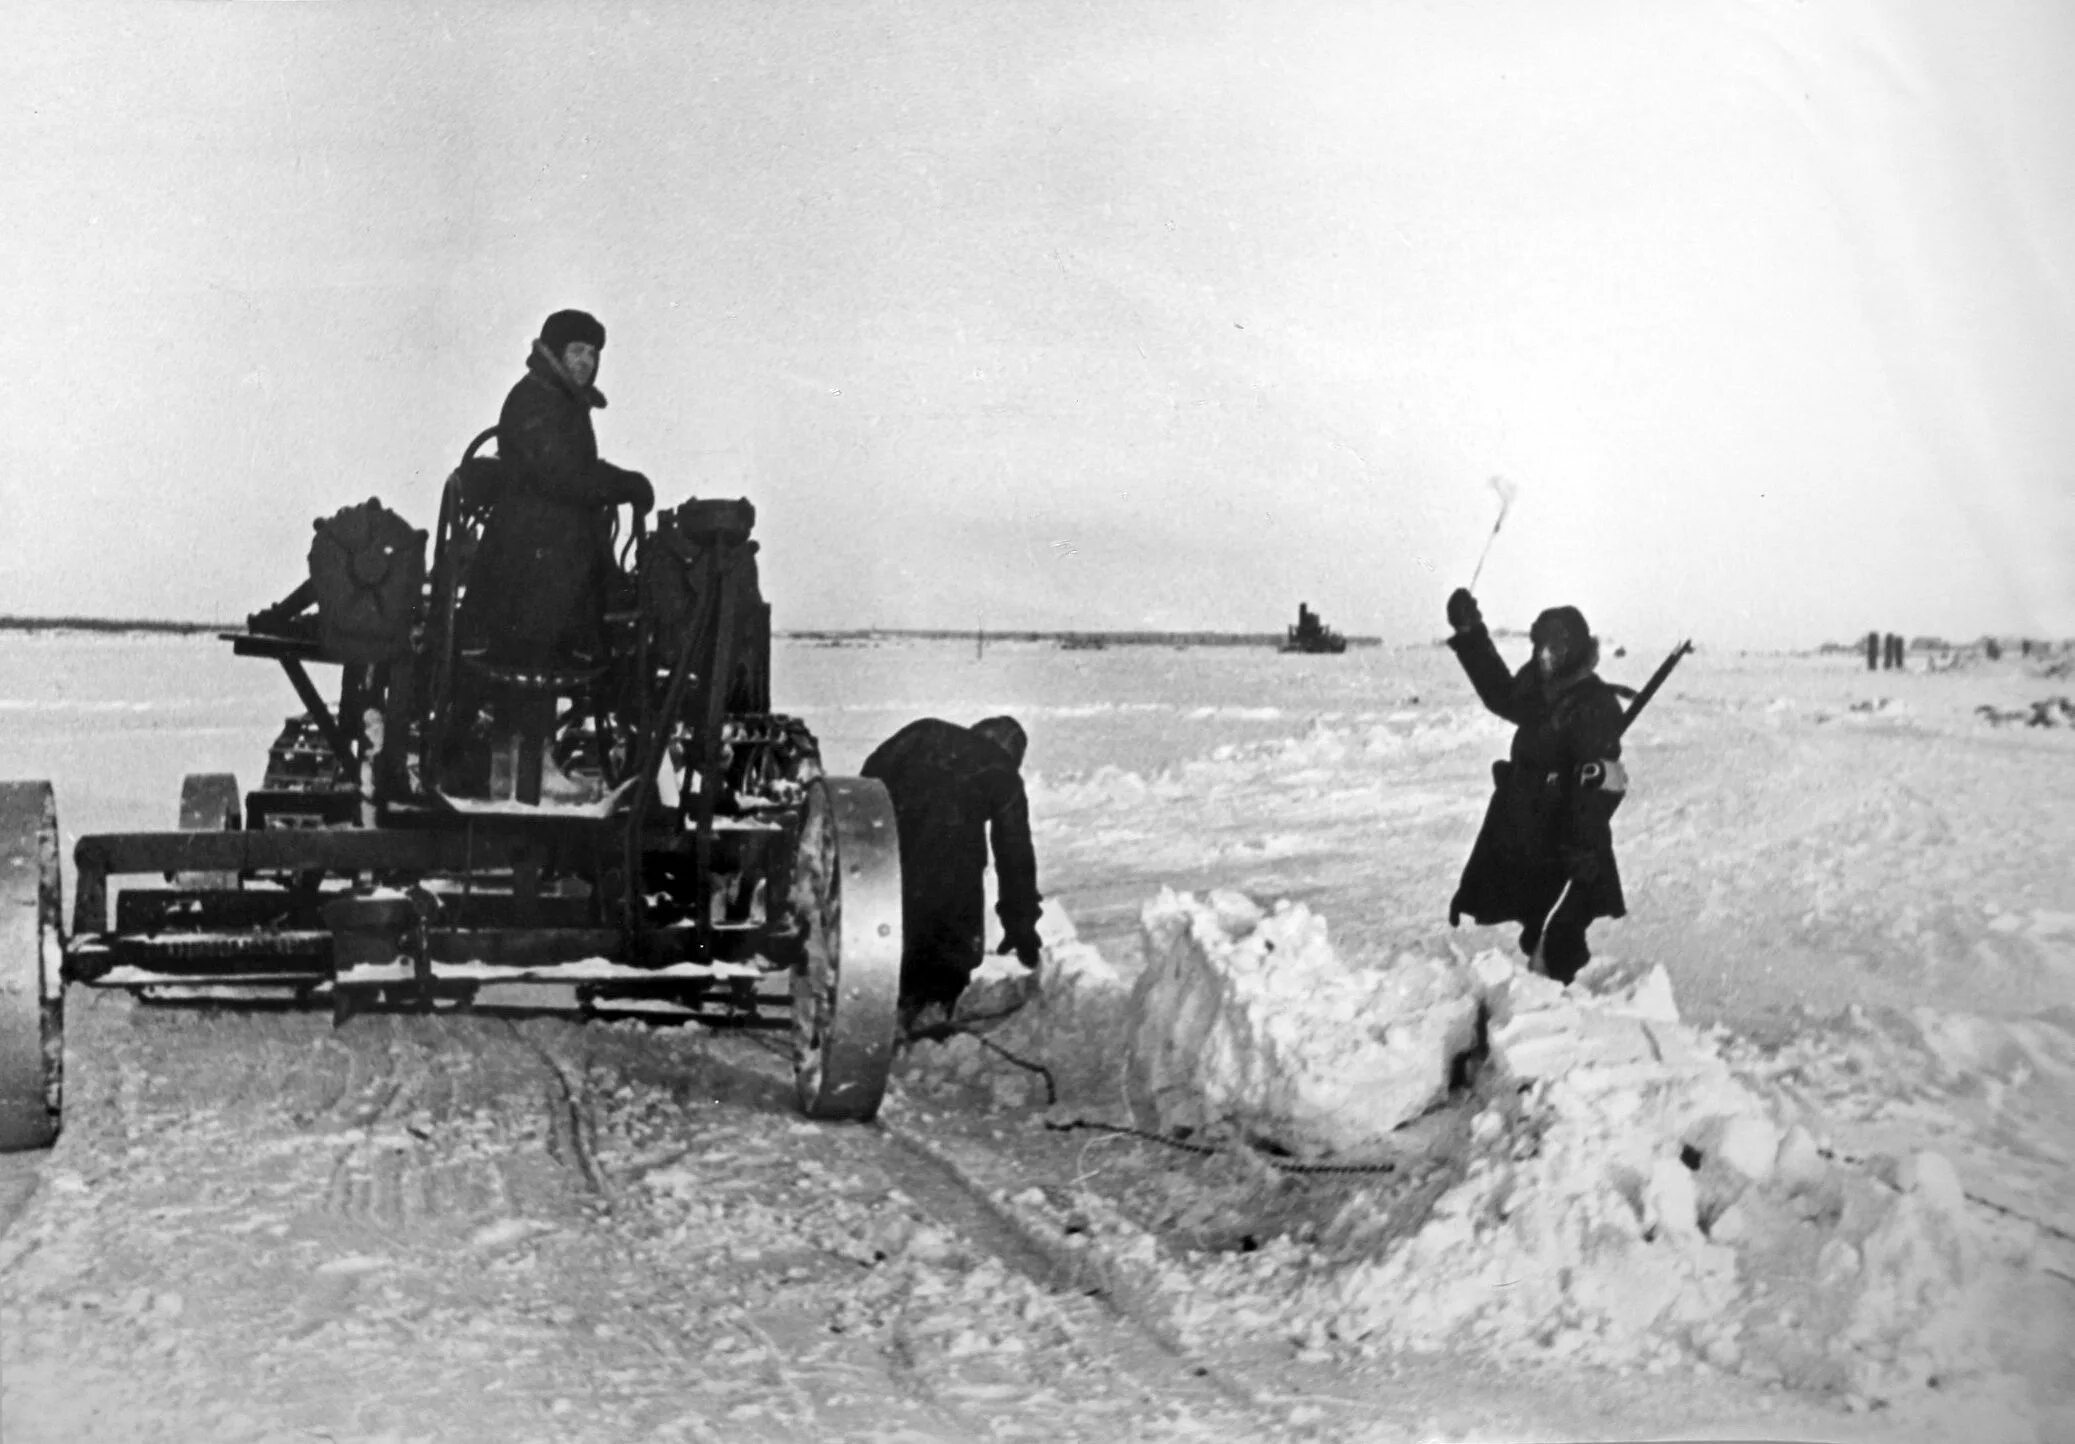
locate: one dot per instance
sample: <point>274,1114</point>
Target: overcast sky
<point>1095,315</point>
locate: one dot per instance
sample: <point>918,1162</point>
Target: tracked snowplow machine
<point>627,830</point>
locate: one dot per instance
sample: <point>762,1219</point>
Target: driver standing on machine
<point>536,590</point>
<point>538,585</point>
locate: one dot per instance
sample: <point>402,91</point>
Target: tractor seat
<point>478,482</point>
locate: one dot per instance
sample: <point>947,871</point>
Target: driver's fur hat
<point>564,327</point>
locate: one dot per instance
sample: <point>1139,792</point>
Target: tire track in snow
<point>959,1195</point>
<point>312,1225</point>
<point>573,1132</point>
<point>1113,1335</point>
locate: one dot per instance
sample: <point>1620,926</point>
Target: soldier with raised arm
<point>1544,857</point>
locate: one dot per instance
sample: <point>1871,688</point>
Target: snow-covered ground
<point>1856,886</point>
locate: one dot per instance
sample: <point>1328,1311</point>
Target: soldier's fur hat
<point>1576,647</point>
<point>1561,624</point>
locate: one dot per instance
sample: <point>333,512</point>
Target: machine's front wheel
<point>846,898</point>
<point>32,988</point>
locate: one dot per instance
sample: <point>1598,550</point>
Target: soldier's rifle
<point>1664,670</point>
<point>1635,710</point>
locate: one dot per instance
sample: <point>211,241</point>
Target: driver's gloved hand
<point>643,499</point>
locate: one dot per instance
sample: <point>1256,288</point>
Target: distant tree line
<point>1109,639</point>
<point>1114,639</point>
<point>107,624</point>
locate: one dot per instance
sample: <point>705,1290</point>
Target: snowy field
<point>1857,885</point>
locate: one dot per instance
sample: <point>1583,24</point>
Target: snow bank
<point>1588,1179</point>
<point>1252,1021</point>
<point>1618,1195</point>
<point>1624,1195</point>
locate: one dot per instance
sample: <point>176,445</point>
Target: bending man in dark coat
<point>536,590</point>
<point>1546,842</point>
<point>953,789</point>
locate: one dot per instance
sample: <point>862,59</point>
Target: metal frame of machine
<point>697,863</point>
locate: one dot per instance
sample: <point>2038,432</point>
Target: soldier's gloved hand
<point>643,499</point>
<point>1024,943</point>
<point>1581,865</point>
<point>1463,613</point>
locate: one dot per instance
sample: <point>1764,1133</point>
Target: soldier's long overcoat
<point>1543,812</point>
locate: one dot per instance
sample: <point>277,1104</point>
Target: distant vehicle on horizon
<point>1309,634</point>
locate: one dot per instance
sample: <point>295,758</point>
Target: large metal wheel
<point>32,989</point>
<point>846,897</point>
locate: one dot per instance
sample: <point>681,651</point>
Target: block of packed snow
<point>1736,1153</point>
<point>998,988</point>
<point>1731,1225</point>
<point>1931,1176</point>
<point>1636,989</point>
<point>1069,972</point>
<point>1745,1143</point>
<point>1549,1042</point>
<point>1508,988</point>
<point>1799,1163</point>
<point>1250,1019</point>
<point>1493,970</point>
<point>1669,1203</point>
<point>1908,1312</point>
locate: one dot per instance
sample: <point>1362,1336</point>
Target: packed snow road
<point>468,1228</point>
<point>258,1227</point>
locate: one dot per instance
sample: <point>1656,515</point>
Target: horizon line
<point>1139,636</point>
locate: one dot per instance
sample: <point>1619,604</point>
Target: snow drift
<point>1612,1191</point>
<point>1624,1194</point>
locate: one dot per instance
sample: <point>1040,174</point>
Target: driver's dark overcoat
<point>1541,816</point>
<point>953,792</point>
<point>536,587</point>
